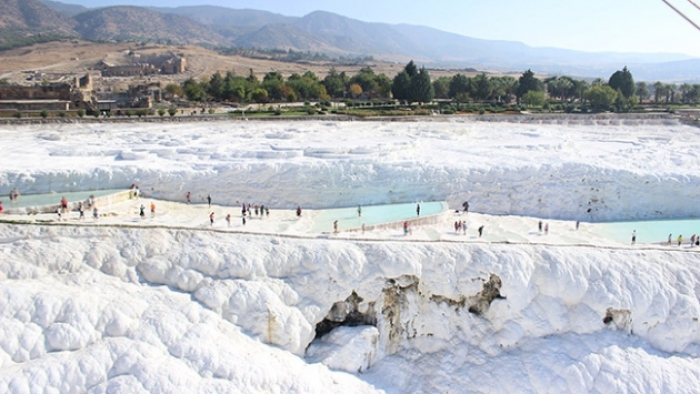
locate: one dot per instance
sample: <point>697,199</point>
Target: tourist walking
<point>577,224</point>
<point>359,211</point>
<point>464,227</point>
<point>228,219</point>
<point>546,228</point>
<point>669,239</point>
<point>188,197</point>
<point>81,211</point>
<point>634,237</point>
<point>335,227</point>
<point>481,231</point>
<point>142,211</point>
<point>95,213</point>
<point>209,199</point>
<point>539,226</point>
<point>153,209</point>
<point>680,240</point>
<point>211,219</point>
<point>298,211</point>
<point>465,205</point>
<point>417,209</point>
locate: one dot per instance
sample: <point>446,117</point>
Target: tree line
<point>414,85</point>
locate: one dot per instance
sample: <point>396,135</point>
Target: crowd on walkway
<point>250,211</point>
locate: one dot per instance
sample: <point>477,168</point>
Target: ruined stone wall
<point>48,92</point>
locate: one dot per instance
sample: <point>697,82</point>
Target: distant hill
<point>68,9</point>
<point>285,37</point>
<point>33,16</point>
<point>222,16</point>
<point>137,23</point>
<point>330,33</point>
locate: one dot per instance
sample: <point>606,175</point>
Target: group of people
<point>64,208</point>
<point>694,240</point>
<point>142,210</point>
<point>247,210</point>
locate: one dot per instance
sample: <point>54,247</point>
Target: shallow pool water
<point>40,200</point>
<point>349,219</point>
<point>652,231</point>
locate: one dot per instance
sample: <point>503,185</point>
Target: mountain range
<point>327,33</point>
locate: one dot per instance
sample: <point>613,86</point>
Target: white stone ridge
<point>154,289</point>
<point>584,171</point>
<point>175,304</point>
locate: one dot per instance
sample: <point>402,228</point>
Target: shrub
<point>61,114</point>
<point>310,111</point>
<point>212,111</point>
<point>81,113</point>
<point>161,112</point>
<point>17,114</point>
<point>172,111</point>
<point>128,113</point>
<point>44,113</point>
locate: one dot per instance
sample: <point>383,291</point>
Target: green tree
<point>504,88</point>
<point>335,83</point>
<point>533,98</point>
<point>641,90</point>
<point>622,80</point>
<point>559,87</point>
<point>694,94</point>
<point>601,97</point>
<point>579,89</point>
<point>685,90</point>
<point>174,89</point>
<point>383,85</point>
<point>671,90</point>
<point>527,83</point>
<point>441,86</point>
<point>216,86</point>
<point>260,96</point>
<point>421,89</point>
<point>460,87</point>
<point>411,69</point>
<point>482,87</point>
<point>81,113</point>
<point>44,113</point>
<point>172,111</point>
<point>161,112</point>
<point>659,91</point>
<point>366,78</point>
<point>194,91</point>
<point>400,86</point>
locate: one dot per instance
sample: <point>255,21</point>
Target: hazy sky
<point>588,25</point>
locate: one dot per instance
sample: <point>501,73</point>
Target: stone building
<point>50,96</point>
<point>143,65</point>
